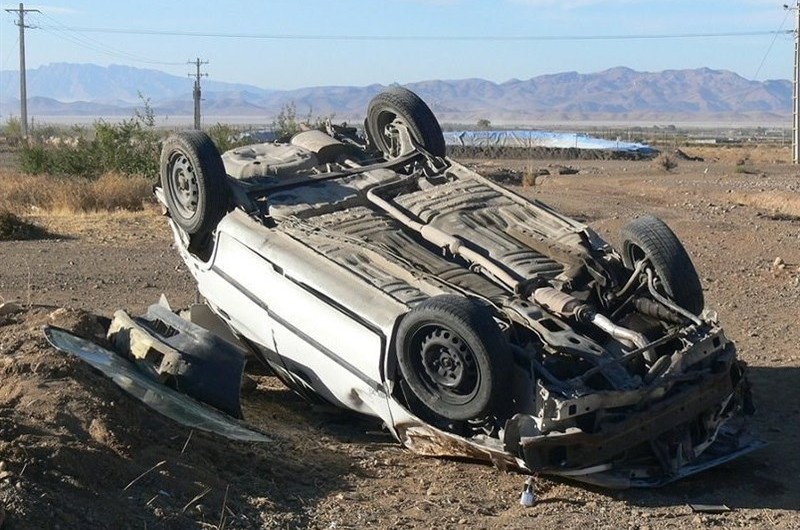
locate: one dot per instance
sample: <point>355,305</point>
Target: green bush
<point>12,130</point>
<point>35,159</point>
<point>287,124</point>
<point>225,137</point>
<point>131,147</point>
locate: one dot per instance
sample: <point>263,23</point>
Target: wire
<point>780,31</point>
<point>771,44</point>
<point>11,49</point>
<point>63,32</point>
<point>279,36</point>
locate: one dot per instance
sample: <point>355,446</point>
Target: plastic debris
<point>709,508</point>
<point>172,404</point>
<point>528,497</point>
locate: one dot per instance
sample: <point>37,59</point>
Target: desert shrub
<point>45,132</point>
<point>131,147</point>
<point>12,130</point>
<point>74,159</point>
<point>287,123</point>
<point>127,147</point>
<point>225,137</point>
<point>69,195</point>
<point>35,159</point>
<point>529,177</point>
<point>21,193</point>
<point>665,162</point>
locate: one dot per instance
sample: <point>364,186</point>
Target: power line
<point>772,44</point>
<point>8,55</point>
<point>777,33</point>
<point>63,32</point>
<point>120,55</point>
<point>499,38</point>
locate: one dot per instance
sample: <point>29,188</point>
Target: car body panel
<point>316,268</point>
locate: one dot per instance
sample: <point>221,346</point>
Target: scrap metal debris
<point>177,352</point>
<point>161,398</point>
<point>709,508</point>
<point>528,497</point>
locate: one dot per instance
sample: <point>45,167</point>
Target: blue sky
<point>293,63</point>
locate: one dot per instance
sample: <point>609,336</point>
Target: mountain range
<point>617,94</point>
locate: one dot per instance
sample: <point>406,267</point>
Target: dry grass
<point>758,154</point>
<point>122,226</point>
<point>529,176</point>
<point>786,203</point>
<point>25,194</point>
<point>665,162</point>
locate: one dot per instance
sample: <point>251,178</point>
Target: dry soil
<point>71,441</point>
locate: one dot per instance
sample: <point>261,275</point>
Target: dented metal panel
<point>396,282</point>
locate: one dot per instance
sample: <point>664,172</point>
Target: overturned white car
<point>386,278</point>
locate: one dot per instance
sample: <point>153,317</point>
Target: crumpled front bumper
<point>693,428</point>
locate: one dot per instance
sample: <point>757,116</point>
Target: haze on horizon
<point>352,42</point>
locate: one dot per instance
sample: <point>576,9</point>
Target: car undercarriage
<point>471,320</point>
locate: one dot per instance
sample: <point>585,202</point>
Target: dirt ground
<point>71,441</point>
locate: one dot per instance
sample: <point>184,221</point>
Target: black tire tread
<point>210,172</point>
<point>453,309</point>
<point>423,123</point>
<point>669,258</point>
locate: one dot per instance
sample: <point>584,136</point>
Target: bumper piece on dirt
<point>172,404</point>
<point>182,355</point>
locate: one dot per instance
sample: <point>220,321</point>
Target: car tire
<point>648,237</point>
<point>454,358</point>
<point>193,181</point>
<point>403,104</point>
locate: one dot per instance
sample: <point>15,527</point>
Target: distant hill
<point>618,94</point>
<point>113,84</point>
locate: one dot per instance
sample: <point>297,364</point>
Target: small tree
<point>224,137</point>
<point>286,125</point>
<point>132,146</point>
<point>484,124</point>
<point>666,163</point>
<point>13,130</point>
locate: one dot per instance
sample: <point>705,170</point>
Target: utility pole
<point>23,89</point>
<point>796,91</point>
<point>796,85</point>
<point>197,75</point>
